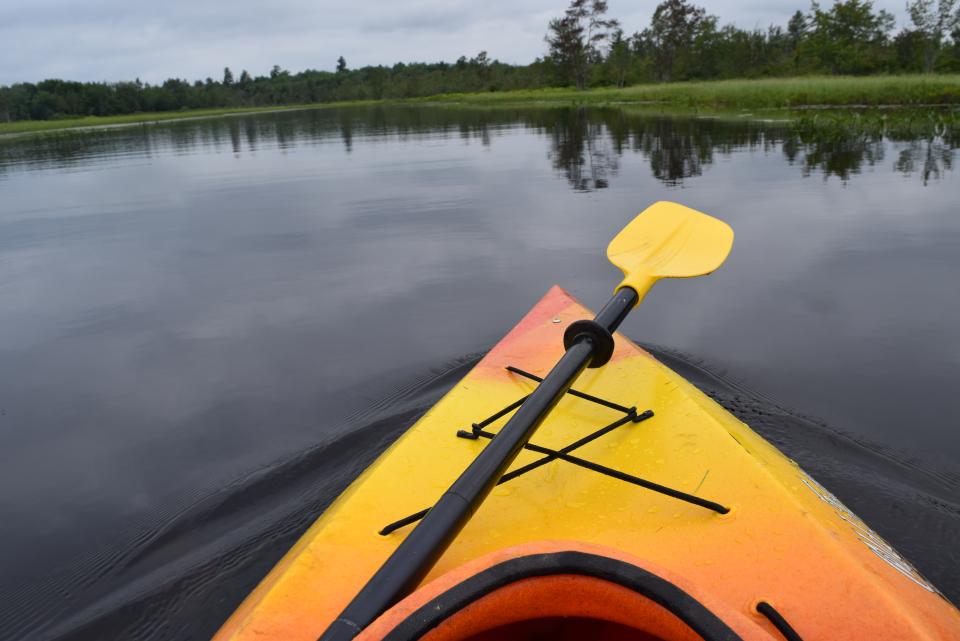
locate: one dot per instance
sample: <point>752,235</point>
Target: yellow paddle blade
<point>668,240</point>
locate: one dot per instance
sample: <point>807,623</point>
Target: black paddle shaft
<point>416,555</point>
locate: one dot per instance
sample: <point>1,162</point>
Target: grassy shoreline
<point>769,93</point>
<point>36,126</point>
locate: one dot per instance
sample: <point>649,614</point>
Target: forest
<point>584,47</point>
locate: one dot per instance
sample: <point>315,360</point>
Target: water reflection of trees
<point>841,143</point>
<point>586,145</point>
<point>929,158</point>
<point>580,149</point>
<point>833,155</point>
<point>240,135</point>
<point>679,149</point>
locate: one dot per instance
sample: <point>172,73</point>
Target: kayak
<point>639,509</point>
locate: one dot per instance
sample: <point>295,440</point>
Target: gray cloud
<point>119,40</point>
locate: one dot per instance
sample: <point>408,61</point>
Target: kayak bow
<point>643,511</point>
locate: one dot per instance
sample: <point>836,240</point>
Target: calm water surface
<point>208,327</point>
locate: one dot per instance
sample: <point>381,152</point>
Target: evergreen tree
<point>796,29</point>
<point>933,19</point>
<point>619,57</point>
<point>576,38</point>
<point>849,37</point>
<point>674,27</point>
<point>482,65</point>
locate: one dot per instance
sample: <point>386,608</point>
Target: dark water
<point>208,328</point>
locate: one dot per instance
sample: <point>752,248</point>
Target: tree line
<point>684,42</point>
<point>61,98</point>
<point>586,48</point>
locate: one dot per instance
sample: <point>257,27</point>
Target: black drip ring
<point>602,340</point>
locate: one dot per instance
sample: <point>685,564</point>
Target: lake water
<point>208,327</point>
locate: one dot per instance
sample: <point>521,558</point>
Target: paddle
<point>667,240</point>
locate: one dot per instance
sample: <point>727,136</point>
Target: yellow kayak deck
<point>785,540</point>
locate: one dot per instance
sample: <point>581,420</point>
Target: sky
<point>111,40</point>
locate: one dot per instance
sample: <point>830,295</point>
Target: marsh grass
<point>895,124</point>
<point>27,126</point>
<point>768,93</point>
